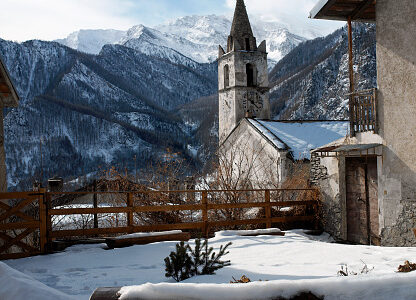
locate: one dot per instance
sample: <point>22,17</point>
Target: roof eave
<point>13,99</point>
<point>324,5</point>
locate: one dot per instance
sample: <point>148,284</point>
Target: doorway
<point>362,200</point>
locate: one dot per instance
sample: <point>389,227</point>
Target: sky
<point>22,20</point>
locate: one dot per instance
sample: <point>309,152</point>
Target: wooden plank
<point>127,242</point>
<point>236,205</point>
<point>361,9</point>
<point>88,211</point>
<point>20,244</point>
<point>192,207</point>
<point>17,208</point>
<point>18,213</point>
<point>16,239</point>
<point>260,204</point>
<point>158,208</point>
<point>109,210</point>
<point>18,195</point>
<point>114,230</point>
<point>179,191</point>
<point>108,293</point>
<point>20,225</point>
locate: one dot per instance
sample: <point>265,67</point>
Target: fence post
<point>205,213</point>
<point>130,221</point>
<point>43,216</point>
<point>95,203</point>
<point>268,209</point>
<point>48,202</point>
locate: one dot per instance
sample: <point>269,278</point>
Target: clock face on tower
<point>253,103</point>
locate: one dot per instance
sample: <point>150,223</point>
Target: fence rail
<point>201,211</point>
<point>363,114</point>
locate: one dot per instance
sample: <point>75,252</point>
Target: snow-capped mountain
<point>95,110</point>
<point>92,41</point>
<point>195,37</point>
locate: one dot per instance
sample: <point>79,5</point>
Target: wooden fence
<point>137,211</point>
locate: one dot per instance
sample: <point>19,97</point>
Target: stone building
<point>254,148</point>
<point>370,190</point>
<point>8,98</point>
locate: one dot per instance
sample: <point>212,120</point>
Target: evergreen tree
<point>179,263</point>
<point>213,261</point>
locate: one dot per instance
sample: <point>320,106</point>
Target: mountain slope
<point>87,111</point>
<point>311,82</point>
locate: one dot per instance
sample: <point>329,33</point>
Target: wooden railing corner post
<point>205,213</point>
<point>268,209</point>
<point>43,217</point>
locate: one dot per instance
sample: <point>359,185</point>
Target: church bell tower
<point>243,80</point>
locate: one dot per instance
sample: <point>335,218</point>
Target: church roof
<point>241,24</point>
<point>300,137</point>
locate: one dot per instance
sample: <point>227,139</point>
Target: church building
<point>250,142</point>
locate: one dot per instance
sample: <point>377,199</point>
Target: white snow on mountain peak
<point>195,37</point>
<point>91,41</point>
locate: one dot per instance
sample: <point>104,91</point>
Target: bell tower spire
<point>243,80</point>
<point>241,36</point>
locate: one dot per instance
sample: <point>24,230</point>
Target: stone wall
<point>327,174</point>
<point>396,72</point>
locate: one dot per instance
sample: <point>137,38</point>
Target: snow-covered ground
<point>291,263</point>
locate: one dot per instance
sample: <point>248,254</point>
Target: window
<point>247,44</point>
<point>230,43</point>
<point>251,75</point>
<point>226,76</point>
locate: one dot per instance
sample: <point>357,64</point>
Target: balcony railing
<point>363,111</point>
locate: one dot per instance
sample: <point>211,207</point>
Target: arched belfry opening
<point>251,72</point>
<point>248,44</point>
<point>226,76</point>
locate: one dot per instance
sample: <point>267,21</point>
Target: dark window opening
<point>251,75</point>
<point>247,44</point>
<point>226,76</point>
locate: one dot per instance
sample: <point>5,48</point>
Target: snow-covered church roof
<point>300,137</point>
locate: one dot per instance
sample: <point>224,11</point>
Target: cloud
<point>49,19</point>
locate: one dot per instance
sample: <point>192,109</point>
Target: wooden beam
<point>326,8</point>
<point>4,88</point>
<point>351,73</point>
<point>144,240</point>
<point>361,9</point>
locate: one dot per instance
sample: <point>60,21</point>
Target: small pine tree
<point>179,264</point>
<point>198,256</point>
<point>212,260</point>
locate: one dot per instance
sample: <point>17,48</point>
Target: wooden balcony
<point>363,111</point>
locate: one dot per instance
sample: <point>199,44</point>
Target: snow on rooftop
<point>301,137</point>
